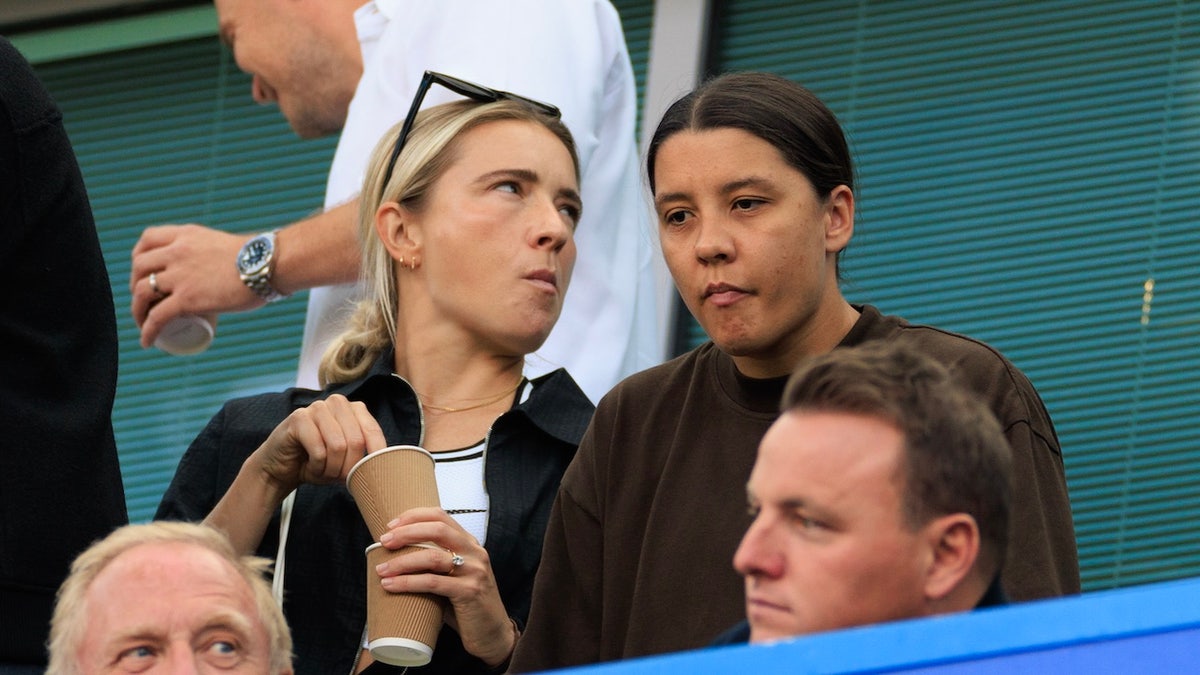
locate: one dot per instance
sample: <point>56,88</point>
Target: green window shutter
<point>1027,176</point>
<point>637,18</point>
<point>169,134</point>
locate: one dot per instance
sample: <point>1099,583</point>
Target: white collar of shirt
<point>370,20</point>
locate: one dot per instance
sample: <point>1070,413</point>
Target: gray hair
<point>69,623</point>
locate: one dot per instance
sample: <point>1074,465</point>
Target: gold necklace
<point>489,401</point>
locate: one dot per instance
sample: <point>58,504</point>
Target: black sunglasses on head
<point>462,88</point>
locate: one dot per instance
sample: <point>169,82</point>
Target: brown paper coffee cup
<point>402,628</point>
<point>390,481</point>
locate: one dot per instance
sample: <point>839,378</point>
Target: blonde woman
<point>467,222</point>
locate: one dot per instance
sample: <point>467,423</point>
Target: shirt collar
<point>556,405</point>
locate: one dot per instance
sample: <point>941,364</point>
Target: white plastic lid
<point>185,335</point>
<point>398,651</point>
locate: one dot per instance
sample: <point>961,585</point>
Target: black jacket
<point>60,483</point>
<point>528,450</point>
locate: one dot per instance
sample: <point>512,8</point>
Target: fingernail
<point>386,538</point>
<point>394,522</point>
<point>381,568</point>
<point>387,582</point>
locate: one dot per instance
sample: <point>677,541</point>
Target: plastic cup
<point>402,628</point>
<point>186,335</point>
<point>390,481</point>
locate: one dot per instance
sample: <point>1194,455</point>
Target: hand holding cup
<point>318,444</point>
<point>474,607</point>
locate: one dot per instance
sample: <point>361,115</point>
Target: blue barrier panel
<point>1151,628</point>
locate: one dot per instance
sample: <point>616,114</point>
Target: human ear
<point>839,225</point>
<point>954,544</point>
<point>398,230</point>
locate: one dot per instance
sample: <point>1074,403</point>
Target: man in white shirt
<point>340,65</point>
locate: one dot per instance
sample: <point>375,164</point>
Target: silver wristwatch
<point>255,264</point>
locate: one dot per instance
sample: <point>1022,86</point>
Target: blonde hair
<point>70,621</point>
<point>428,151</point>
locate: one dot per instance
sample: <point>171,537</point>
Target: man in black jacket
<point>60,482</point>
<point>881,493</point>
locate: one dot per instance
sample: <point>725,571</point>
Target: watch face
<point>254,255</point>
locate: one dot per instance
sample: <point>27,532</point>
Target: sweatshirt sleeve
<point>1042,560</point>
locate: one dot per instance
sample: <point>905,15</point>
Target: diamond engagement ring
<point>456,561</point>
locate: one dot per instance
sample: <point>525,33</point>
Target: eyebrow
<point>761,182</point>
<point>137,633</point>
<point>529,176</point>
<point>727,188</point>
<point>221,620</point>
<point>232,621</point>
<point>789,504</point>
